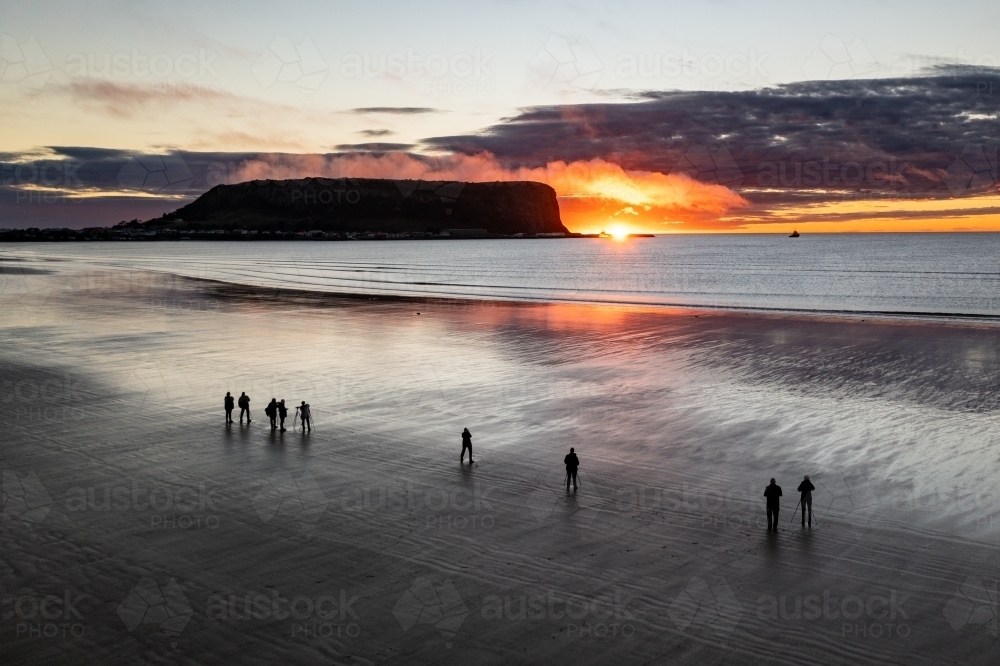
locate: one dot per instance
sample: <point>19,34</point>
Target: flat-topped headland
<point>359,205</point>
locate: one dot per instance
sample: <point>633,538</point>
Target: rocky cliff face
<point>369,204</point>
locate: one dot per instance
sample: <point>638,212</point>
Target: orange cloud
<point>592,193</point>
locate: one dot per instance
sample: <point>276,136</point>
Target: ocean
<point>913,274</point>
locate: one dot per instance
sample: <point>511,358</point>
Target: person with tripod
<point>572,465</point>
<point>806,500</point>
<point>306,417</point>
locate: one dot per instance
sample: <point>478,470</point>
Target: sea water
<point>917,274</point>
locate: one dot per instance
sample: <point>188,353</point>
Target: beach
<point>139,528</point>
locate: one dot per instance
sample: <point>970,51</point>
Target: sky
<point>665,117</point>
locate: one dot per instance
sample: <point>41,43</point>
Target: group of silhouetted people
<point>277,413</point>
<point>275,410</point>
<point>230,404</point>
<point>773,492</point>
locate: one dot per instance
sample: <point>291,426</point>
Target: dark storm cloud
<point>56,187</point>
<point>927,134</point>
<point>76,169</point>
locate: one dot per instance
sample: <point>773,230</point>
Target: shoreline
<point>666,308</point>
<point>57,235</point>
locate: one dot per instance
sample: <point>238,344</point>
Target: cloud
<point>590,178</point>
<point>799,139</point>
<point>590,191</point>
<point>125,100</point>
<point>817,150</point>
<point>249,123</point>
<point>395,110</point>
<point>374,147</point>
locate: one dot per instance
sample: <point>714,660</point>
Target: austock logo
<point>568,62</point>
<point>427,603</point>
<point>455,508</point>
<point>170,507</point>
<point>139,65</point>
<point>24,64</point>
<point>323,616</point>
<point>552,500</point>
<point>44,399</point>
<point>833,59</point>
<point>700,606</point>
<point>291,500</point>
<point>346,191</point>
<point>44,616</point>
<point>602,616</point>
<point>973,171</point>
<point>156,173</point>
<point>148,603</point>
<point>447,192</point>
<point>284,61</point>
<point>716,168</point>
<point>458,73</point>
<point>973,603</point>
<point>871,616</point>
<point>25,498</point>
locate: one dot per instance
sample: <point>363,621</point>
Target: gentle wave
<point>939,275</point>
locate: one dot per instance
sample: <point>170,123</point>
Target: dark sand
<point>366,541</point>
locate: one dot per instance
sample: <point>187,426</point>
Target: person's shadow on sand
<point>772,549</point>
<point>466,474</point>
<point>243,433</point>
<point>804,540</point>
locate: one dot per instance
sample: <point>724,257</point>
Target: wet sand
<point>366,541</point>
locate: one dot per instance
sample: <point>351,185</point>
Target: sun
<point>618,232</point>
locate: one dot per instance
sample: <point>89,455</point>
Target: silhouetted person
<point>306,417</point>
<point>282,413</point>
<point>244,403</point>
<point>572,464</point>
<point>272,412</point>
<point>806,501</point>
<point>772,493</point>
<point>230,404</point>
<point>466,444</point>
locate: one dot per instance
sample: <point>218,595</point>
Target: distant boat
<point>794,234</point>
